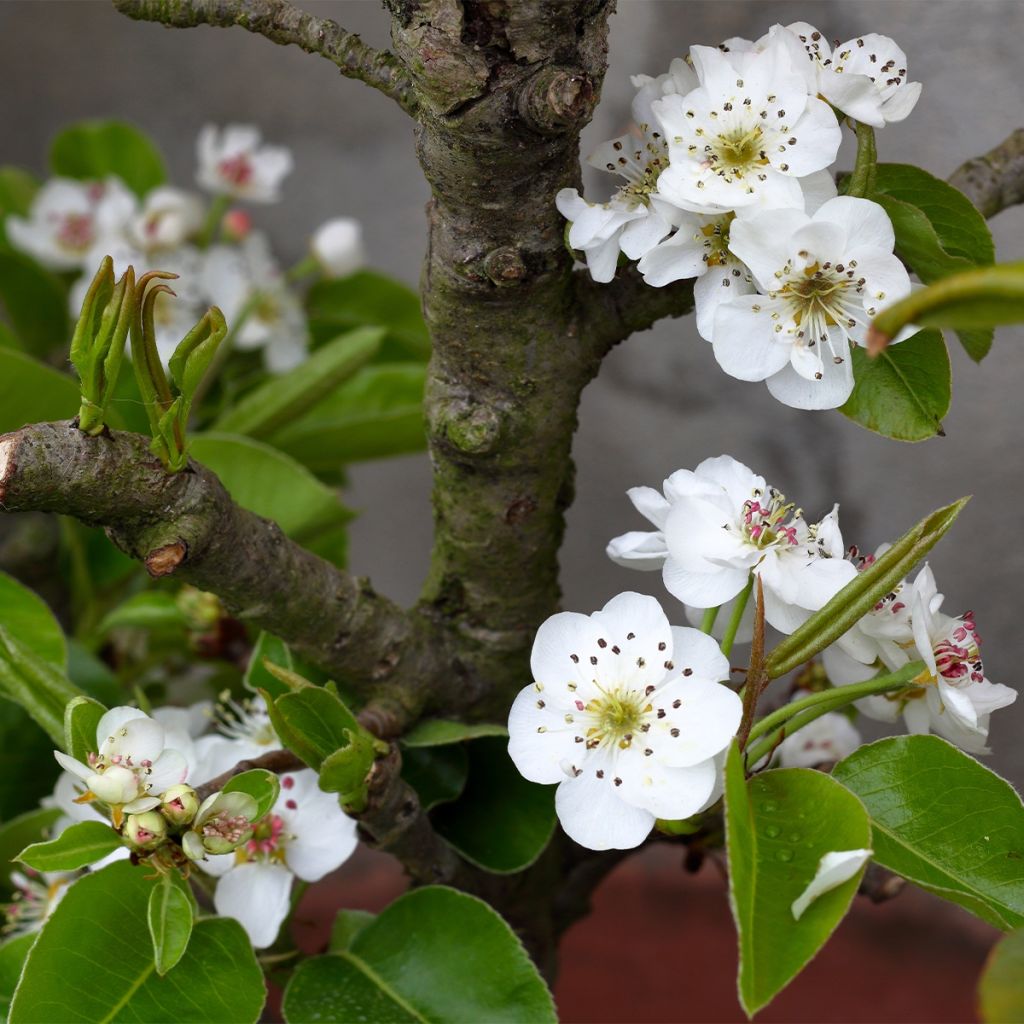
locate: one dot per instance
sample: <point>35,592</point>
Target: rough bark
<point>994,180</point>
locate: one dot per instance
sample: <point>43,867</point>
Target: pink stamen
<point>236,169</point>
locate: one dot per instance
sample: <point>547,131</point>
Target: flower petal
<point>593,815</point>
<point>830,392</point>
<point>745,345</point>
<point>833,870</point>
<point>256,895</point>
<point>703,724</point>
<point>638,550</point>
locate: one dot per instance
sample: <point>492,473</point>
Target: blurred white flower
<point>232,162</point>
<point>69,219</point>
<point>338,246</point>
<point>169,216</point>
<point>824,741</point>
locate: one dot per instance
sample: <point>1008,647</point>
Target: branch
<point>276,761</point>
<point>283,23</point>
<point>995,180</point>
<point>612,312</point>
<point>186,525</point>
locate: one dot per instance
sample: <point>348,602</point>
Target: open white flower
<point>36,895</point>
<point>865,77</point>
<point>627,714</point>
<point>68,219</point>
<point>131,766</point>
<point>264,313</point>
<point>821,280</point>
<point>233,162</point>
<point>243,731</point>
<point>746,135</point>
<point>168,218</point>
<point>719,523</point>
<point>824,741</point>
<point>305,836</point>
<point>338,246</point>
<point>834,869</point>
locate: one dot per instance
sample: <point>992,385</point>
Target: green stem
<point>795,715</point>
<point>708,622</point>
<point>737,614</point>
<point>211,226</point>
<point>862,181</point>
<point>306,266</point>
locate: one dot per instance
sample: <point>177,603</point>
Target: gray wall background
<point>661,401</point>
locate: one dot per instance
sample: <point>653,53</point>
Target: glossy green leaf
<point>170,916</point>
<point>288,397</point>
<point>435,732</point>
<point>501,822</point>
<point>435,955</point>
<point>17,190</point>
<point>779,825</point>
<point>378,413</point>
<point>12,958</point>
<point>150,609</point>
<point>347,925</point>
<point>1001,992</point>
<point>943,821</point>
<point>31,392</point>
<point>345,771</point>
<point>263,786</point>
<point>31,827</point>
<point>94,962</point>
<point>939,232</point>
<point>367,298</point>
<point>271,484</point>
<point>36,305</point>
<point>29,618</point>
<point>438,774</point>
<point>318,719</point>
<point>268,648</point>
<point>861,594</point>
<point>23,742</point>
<point>78,846</point>
<point>905,391</point>
<point>91,150</point>
<point>81,721</point>
<point>40,687</point>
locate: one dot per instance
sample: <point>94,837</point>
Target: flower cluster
<point>720,525</point>
<point>213,248</point>
<point>727,183</point>
<point>136,780</point>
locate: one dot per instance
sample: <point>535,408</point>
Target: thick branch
<point>282,22</point>
<point>186,525</point>
<point>995,180</point>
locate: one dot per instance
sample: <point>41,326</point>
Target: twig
<point>281,22</point>
<point>994,180</point>
<point>756,679</point>
<point>276,761</point>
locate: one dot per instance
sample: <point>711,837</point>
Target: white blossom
<point>36,895</point>
<point>746,135</point>
<point>305,836</point>
<point>821,278</point>
<point>826,740</point>
<point>242,732</point>
<point>834,869</point>
<point>338,246</point>
<point>168,218</point>
<point>627,714</point>
<point>233,162</point>
<point>131,766</point>
<point>69,219</point>
<point>261,310</point>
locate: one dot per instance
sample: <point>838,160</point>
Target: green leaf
<point>905,390</point>
<point>861,594</point>
<point>91,150</point>
<point>501,822</point>
<point>170,918</point>
<point>76,847</point>
<point>36,304</point>
<point>32,827</point>
<point>12,959</point>
<point>954,238</point>
<point>1001,992</point>
<point>368,299</point>
<point>31,392</point>
<point>378,413</point>
<point>943,821</point>
<point>316,721</point>
<point>150,609</point>
<point>288,397</point>
<point>23,742</point>
<point>17,190</point>
<point>272,485</point>
<point>93,962</point>
<point>778,827</point>
<point>93,676</point>
<point>344,771</point>
<point>29,618</point>
<point>81,720</point>
<point>435,955</point>
<point>438,774</point>
<point>39,686</point>
<point>347,925</point>
<point>263,786</point>
<point>435,732</point>
<point>268,648</point>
